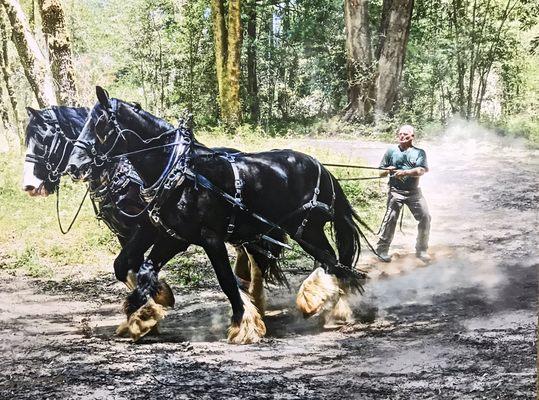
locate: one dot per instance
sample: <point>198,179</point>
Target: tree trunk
<point>252,78</point>
<point>220,44</point>
<point>6,72</point>
<point>359,60</point>
<point>228,39</point>
<point>233,69</point>
<point>392,54</point>
<point>57,37</point>
<point>32,59</point>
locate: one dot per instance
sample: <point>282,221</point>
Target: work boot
<point>384,256</point>
<point>423,256</point>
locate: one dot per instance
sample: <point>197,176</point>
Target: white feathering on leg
<point>251,328</point>
<point>318,294</point>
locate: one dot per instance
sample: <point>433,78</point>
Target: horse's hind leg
<point>242,268</point>
<point>256,286</point>
<point>247,325</point>
<point>322,293</point>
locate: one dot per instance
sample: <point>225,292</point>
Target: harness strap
<point>310,205</point>
<point>238,185</point>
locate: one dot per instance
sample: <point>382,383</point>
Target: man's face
<point>405,136</point>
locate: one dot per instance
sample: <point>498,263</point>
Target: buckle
<point>154,215</point>
<point>238,183</point>
<point>230,228</point>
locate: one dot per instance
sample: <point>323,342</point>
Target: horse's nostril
<point>28,188</point>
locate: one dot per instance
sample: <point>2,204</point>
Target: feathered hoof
<point>251,328</point>
<point>142,321</point>
<point>341,314</point>
<point>123,330</point>
<point>318,294</point>
<point>164,296</point>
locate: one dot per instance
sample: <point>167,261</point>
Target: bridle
<point>99,159</point>
<point>47,159</point>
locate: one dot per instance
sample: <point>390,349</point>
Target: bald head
<point>405,135</point>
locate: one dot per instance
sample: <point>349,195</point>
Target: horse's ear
<point>102,96</point>
<point>32,112</point>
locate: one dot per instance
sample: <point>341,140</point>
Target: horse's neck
<point>150,166</point>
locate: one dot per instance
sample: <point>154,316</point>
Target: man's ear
<point>103,97</point>
<point>33,112</point>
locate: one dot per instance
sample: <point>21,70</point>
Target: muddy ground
<point>461,327</point>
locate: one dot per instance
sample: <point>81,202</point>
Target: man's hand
<point>388,170</point>
<point>401,172</point>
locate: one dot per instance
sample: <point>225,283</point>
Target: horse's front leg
<point>247,325</point>
<point>161,253</point>
<point>127,263</point>
<point>145,305</point>
<point>143,312</point>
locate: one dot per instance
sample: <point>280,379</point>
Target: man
<point>405,164</point>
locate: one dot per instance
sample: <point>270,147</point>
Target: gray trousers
<point>417,205</point>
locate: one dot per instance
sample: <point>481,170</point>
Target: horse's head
<point>113,128</point>
<point>49,136</point>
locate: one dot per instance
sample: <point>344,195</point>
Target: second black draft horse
<point>254,193</point>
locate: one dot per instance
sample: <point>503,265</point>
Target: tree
<point>32,59</point>
<point>57,37</point>
<point>373,80</point>
<point>228,40</point>
<point>359,60</point>
<point>6,75</point>
<point>252,77</point>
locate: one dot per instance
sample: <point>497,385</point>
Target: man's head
<point>405,135</point>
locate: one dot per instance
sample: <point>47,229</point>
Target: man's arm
<point>418,171</point>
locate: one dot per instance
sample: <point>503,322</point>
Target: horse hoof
<point>123,329</point>
<point>341,314</point>
<point>318,293</point>
<point>142,321</point>
<point>251,327</point>
<point>164,295</point>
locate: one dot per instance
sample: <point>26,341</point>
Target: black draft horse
<point>115,192</point>
<point>283,186</point>
<point>114,188</point>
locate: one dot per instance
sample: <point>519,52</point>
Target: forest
<point>275,68</point>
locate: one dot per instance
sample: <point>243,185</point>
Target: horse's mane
<point>71,120</point>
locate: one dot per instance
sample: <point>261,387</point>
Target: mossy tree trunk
<point>228,37</point>
<point>5,71</point>
<point>60,55</point>
<point>34,63</point>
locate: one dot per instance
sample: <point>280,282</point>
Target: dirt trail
<point>462,327</point>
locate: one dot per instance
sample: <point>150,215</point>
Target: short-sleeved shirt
<point>404,159</point>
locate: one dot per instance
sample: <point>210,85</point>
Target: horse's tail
<point>347,231</point>
<point>347,224</point>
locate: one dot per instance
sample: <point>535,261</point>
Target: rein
<point>358,167</point>
<point>64,232</point>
